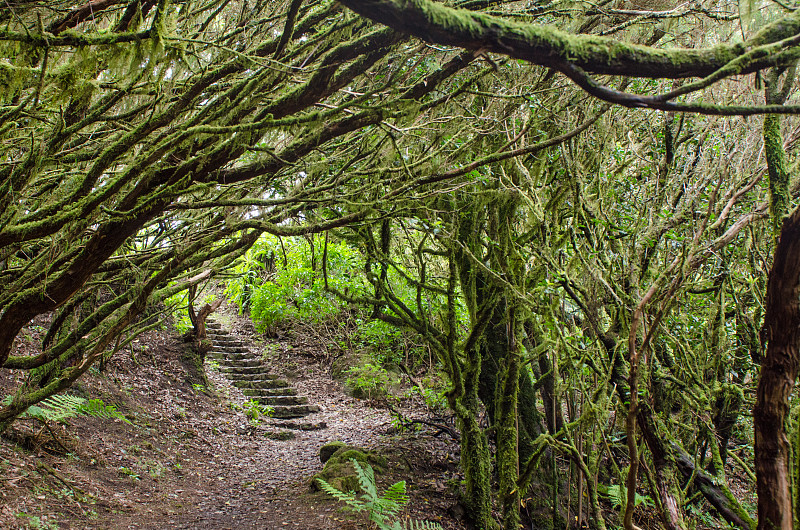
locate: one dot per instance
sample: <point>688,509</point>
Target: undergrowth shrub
<point>255,411</point>
<point>382,509</point>
<point>279,282</point>
<point>369,381</point>
<point>432,391</point>
<point>387,344</point>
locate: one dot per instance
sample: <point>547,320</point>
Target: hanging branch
<point>288,27</point>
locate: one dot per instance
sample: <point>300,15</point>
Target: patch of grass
<point>129,472</point>
<point>38,523</point>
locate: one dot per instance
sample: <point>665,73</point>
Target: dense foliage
<point>593,278</point>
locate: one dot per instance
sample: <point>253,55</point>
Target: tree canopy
<point>568,247</point>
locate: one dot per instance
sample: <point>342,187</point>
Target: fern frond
<point>392,501</point>
<point>366,478</point>
<point>381,508</point>
<point>98,409</point>
<point>56,408</point>
<point>346,497</point>
<point>61,407</point>
<point>397,494</point>
<point>413,524</point>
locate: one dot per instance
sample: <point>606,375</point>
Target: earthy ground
<point>192,460</point>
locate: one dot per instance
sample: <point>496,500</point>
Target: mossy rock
<point>279,435</point>
<point>327,450</point>
<point>363,457</point>
<point>339,471</point>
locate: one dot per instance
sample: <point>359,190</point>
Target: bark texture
<point>778,375</point>
<point>547,46</point>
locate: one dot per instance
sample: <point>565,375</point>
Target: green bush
<point>434,397</point>
<point>383,341</point>
<point>368,381</point>
<point>255,411</point>
<point>278,283</point>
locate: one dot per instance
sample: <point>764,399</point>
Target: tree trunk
<point>507,431</point>
<point>475,456</point>
<point>778,374</point>
<point>495,350</point>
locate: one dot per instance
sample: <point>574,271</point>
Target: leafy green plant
<point>179,304</point>
<point>368,381</point>
<point>276,288</point>
<point>381,509</point>
<point>129,472</point>
<point>61,407</point>
<point>618,495</point>
<point>434,399</point>
<point>383,339</point>
<point>36,522</point>
<point>255,411</point>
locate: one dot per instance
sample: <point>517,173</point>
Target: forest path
<point>244,479</point>
<point>248,372</point>
<point>189,460</point>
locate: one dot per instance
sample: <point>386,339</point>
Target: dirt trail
<point>189,461</point>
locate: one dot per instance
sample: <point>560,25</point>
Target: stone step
<point>250,388</point>
<point>233,350</point>
<point>299,425</point>
<point>254,377</point>
<point>293,411</point>
<point>280,391</point>
<point>226,341</point>
<point>281,400</point>
<point>213,324</point>
<point>234,371</point>
<point>279,436</point>
<point>240,363</point>
<point>261,384</point>
<point>229,346</point>
<point>234,356</point>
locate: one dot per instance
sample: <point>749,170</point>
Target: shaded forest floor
<point>191,459</point>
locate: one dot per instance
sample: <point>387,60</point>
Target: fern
<point>618,495</point>
<point>397,493</point>
<point>61,407</point>
<point>417,525</point>
<point>98,409</point>
<point>348,498</point>
<point>380,508</point>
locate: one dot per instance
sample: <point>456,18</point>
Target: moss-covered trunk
<point>495,351</point>
<point>475,458</point>
<point>507,433</point>
<point>773,148</point>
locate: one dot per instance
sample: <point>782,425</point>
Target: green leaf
<point>61,407</point>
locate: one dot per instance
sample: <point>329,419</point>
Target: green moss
<point>328,450</point>
<point>339,471</point>
<point>778,174</point>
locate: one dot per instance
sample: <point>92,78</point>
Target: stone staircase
<point>247,372</point>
